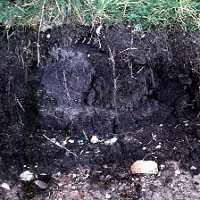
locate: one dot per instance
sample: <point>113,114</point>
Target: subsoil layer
<point>59,90</point>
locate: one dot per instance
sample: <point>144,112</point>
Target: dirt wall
<point>112,84</point>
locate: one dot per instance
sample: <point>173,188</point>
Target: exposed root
<point>39,30</point>
<point>111,54</point>
<point>131,48</point>
<point>59,145</point>
<point>65,83</point>
<point>17,100</point>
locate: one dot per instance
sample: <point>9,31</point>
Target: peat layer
<point>112,84</point>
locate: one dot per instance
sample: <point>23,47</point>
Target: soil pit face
<point>144,92</point>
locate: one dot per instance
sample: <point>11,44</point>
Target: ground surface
<point>143,91</point>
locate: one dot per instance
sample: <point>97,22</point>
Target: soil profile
<point>141,90</point>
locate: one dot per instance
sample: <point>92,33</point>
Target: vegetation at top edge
<point>184,14</point>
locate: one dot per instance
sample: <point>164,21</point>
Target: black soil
<point>143,90</point>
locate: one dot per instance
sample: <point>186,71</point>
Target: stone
<point>177,172</point>
<point>27,176</point>
<point>193,168</point>
<point>71,141</point>
<point>5,186</point>
<point>108,196</point>
<point>158,146</point>
<point>144,167</point>
<point>94,139</point>
<point>41,184</point>
<point>48,35</point>
<point>111,141</point>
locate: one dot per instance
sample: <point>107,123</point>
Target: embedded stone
<point>144,167</point>
<point>27,176</point>
<point>41,184</point>
<point>5,186</point>
<point>94,139</point>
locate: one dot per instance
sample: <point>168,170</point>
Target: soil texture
<point>138,94</point>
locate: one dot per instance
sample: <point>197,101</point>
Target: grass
<point>183,14</point>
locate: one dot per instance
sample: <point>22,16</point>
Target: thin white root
<point>38,40</point>
<point>59,145</point>
<point>112,61</point>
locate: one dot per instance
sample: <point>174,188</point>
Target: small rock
<point>41,184</point>
<point>144,167</point>
<point>177,172</point>
<point>162,166</point>
<point>111,141</point>
<point>71,141</point>
<point>158,146</point>
<point>193,168</point>
<point>74,175</point>
<point>108,196</point>
<point>94,139</point>
<point>5,186</point>
<point>58,174</point>
<point>60,184</point>
<point>27,176</point>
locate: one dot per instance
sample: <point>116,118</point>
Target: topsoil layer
<point>71,84</point>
